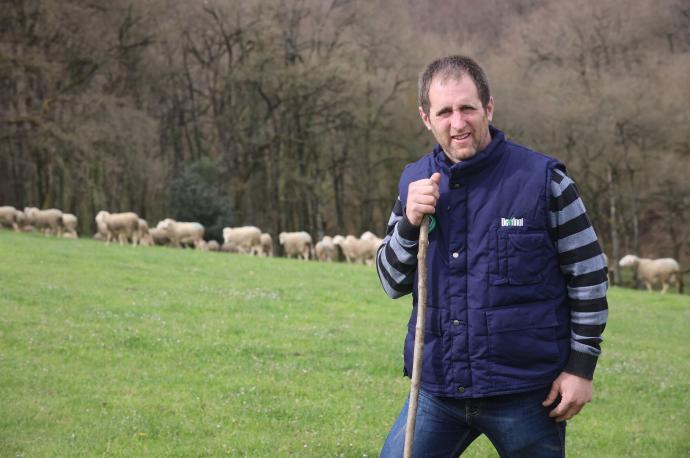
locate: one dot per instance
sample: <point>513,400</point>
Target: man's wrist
<point>407,230</point>
<point>581,364</point>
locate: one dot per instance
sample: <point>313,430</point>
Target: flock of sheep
<point>127,227</point>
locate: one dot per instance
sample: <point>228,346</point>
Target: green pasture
<point>159,352</point>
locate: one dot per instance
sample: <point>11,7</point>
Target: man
<point>516,280</point>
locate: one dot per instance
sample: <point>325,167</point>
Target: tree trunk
<point>615,242</point>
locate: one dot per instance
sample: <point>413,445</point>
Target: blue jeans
<point>516,424</point>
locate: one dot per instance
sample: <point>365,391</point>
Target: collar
<point>479,161</point>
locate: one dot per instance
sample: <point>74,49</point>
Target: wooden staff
<point>418,355</point>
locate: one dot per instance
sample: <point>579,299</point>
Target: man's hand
<point>575,393</point>
<point>422,196</point>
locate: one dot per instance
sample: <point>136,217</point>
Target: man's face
<point>457,118</point>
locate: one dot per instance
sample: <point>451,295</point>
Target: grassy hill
<point>121,351</point>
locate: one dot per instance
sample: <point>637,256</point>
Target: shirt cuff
<point>407,230</point>
<point>581,364</point>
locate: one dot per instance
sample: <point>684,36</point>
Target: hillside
<point>121,351</point>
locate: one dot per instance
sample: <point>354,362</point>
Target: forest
<point>300,115</point>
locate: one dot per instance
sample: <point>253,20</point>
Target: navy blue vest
<point>497,320</point>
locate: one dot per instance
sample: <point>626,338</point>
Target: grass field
<point>116,351</point>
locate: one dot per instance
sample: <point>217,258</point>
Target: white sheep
<point>159,236</point>
<point>369,246</point>
<point>247,239</point>
<point>651,271</point>
<point>49,221</point>
<point>266,244</point>
<point>20,219</point>
<point>69,221</point>
<point>120,226</point>
<point>101,227</point>
<point>229,247</point>
<point>211,245</point>
<point>298,244</point>
<point>362,250</point>
<point>145,238</point>
<point>9,217</point>
<point>326,250</point>
<point>345,247</point>
<point>182,233</point>
<point>368,235</point>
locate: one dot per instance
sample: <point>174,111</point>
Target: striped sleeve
<point>396,259</point>
<point>582,263</point>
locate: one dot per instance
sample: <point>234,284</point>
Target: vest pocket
<point>520,258</point>
<point>526,258</point>
<point>522,342</point>
<point>433,369</point>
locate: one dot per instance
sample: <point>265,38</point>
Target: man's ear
<point>425,118</point>
<point>490,109</point>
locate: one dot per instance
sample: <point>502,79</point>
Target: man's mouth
<point>461,137</point>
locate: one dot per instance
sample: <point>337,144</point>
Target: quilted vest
<point>497,317</point>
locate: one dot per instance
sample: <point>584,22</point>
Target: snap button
<point>461,390</point>
<point>455,185</point>
<point>456,322</point>
<point>456,254</point>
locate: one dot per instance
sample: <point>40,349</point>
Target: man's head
<point>456,105</point>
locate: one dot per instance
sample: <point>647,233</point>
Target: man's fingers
<point>422,197</point>
<point>569,413</point>
<point>425,199</point>
<point>559,412</point>
<point>423,208</point>
<point>428,187</point>
<point>427,209</point>
<point>565,410</point>
<point>551,397</point>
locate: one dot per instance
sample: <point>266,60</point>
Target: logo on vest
<point>510,222</point>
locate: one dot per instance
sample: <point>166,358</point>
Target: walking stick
<point>418,338</point>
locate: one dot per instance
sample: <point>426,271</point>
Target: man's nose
<point>456,120</point>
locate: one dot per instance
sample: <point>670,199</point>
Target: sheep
<point>229,247</point>
<point>368,235</point>
<point>298,244</point>
<point>145,238</point>
<point>20,219</point>
<point>159,236</point>
<point>9,217</point>
<point>101,227</point>
<point>358,250</point>
<point>211,245</point>
<point>50,220</point>
<point>182,233</point>
<point>369,246</point>
<point>345,247</point>
<point>247,239</point>
<point>326,250</point>
<point>266,244</point>
<point>69,221</point>
<point>120,226</point>
<point>650,271</point>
